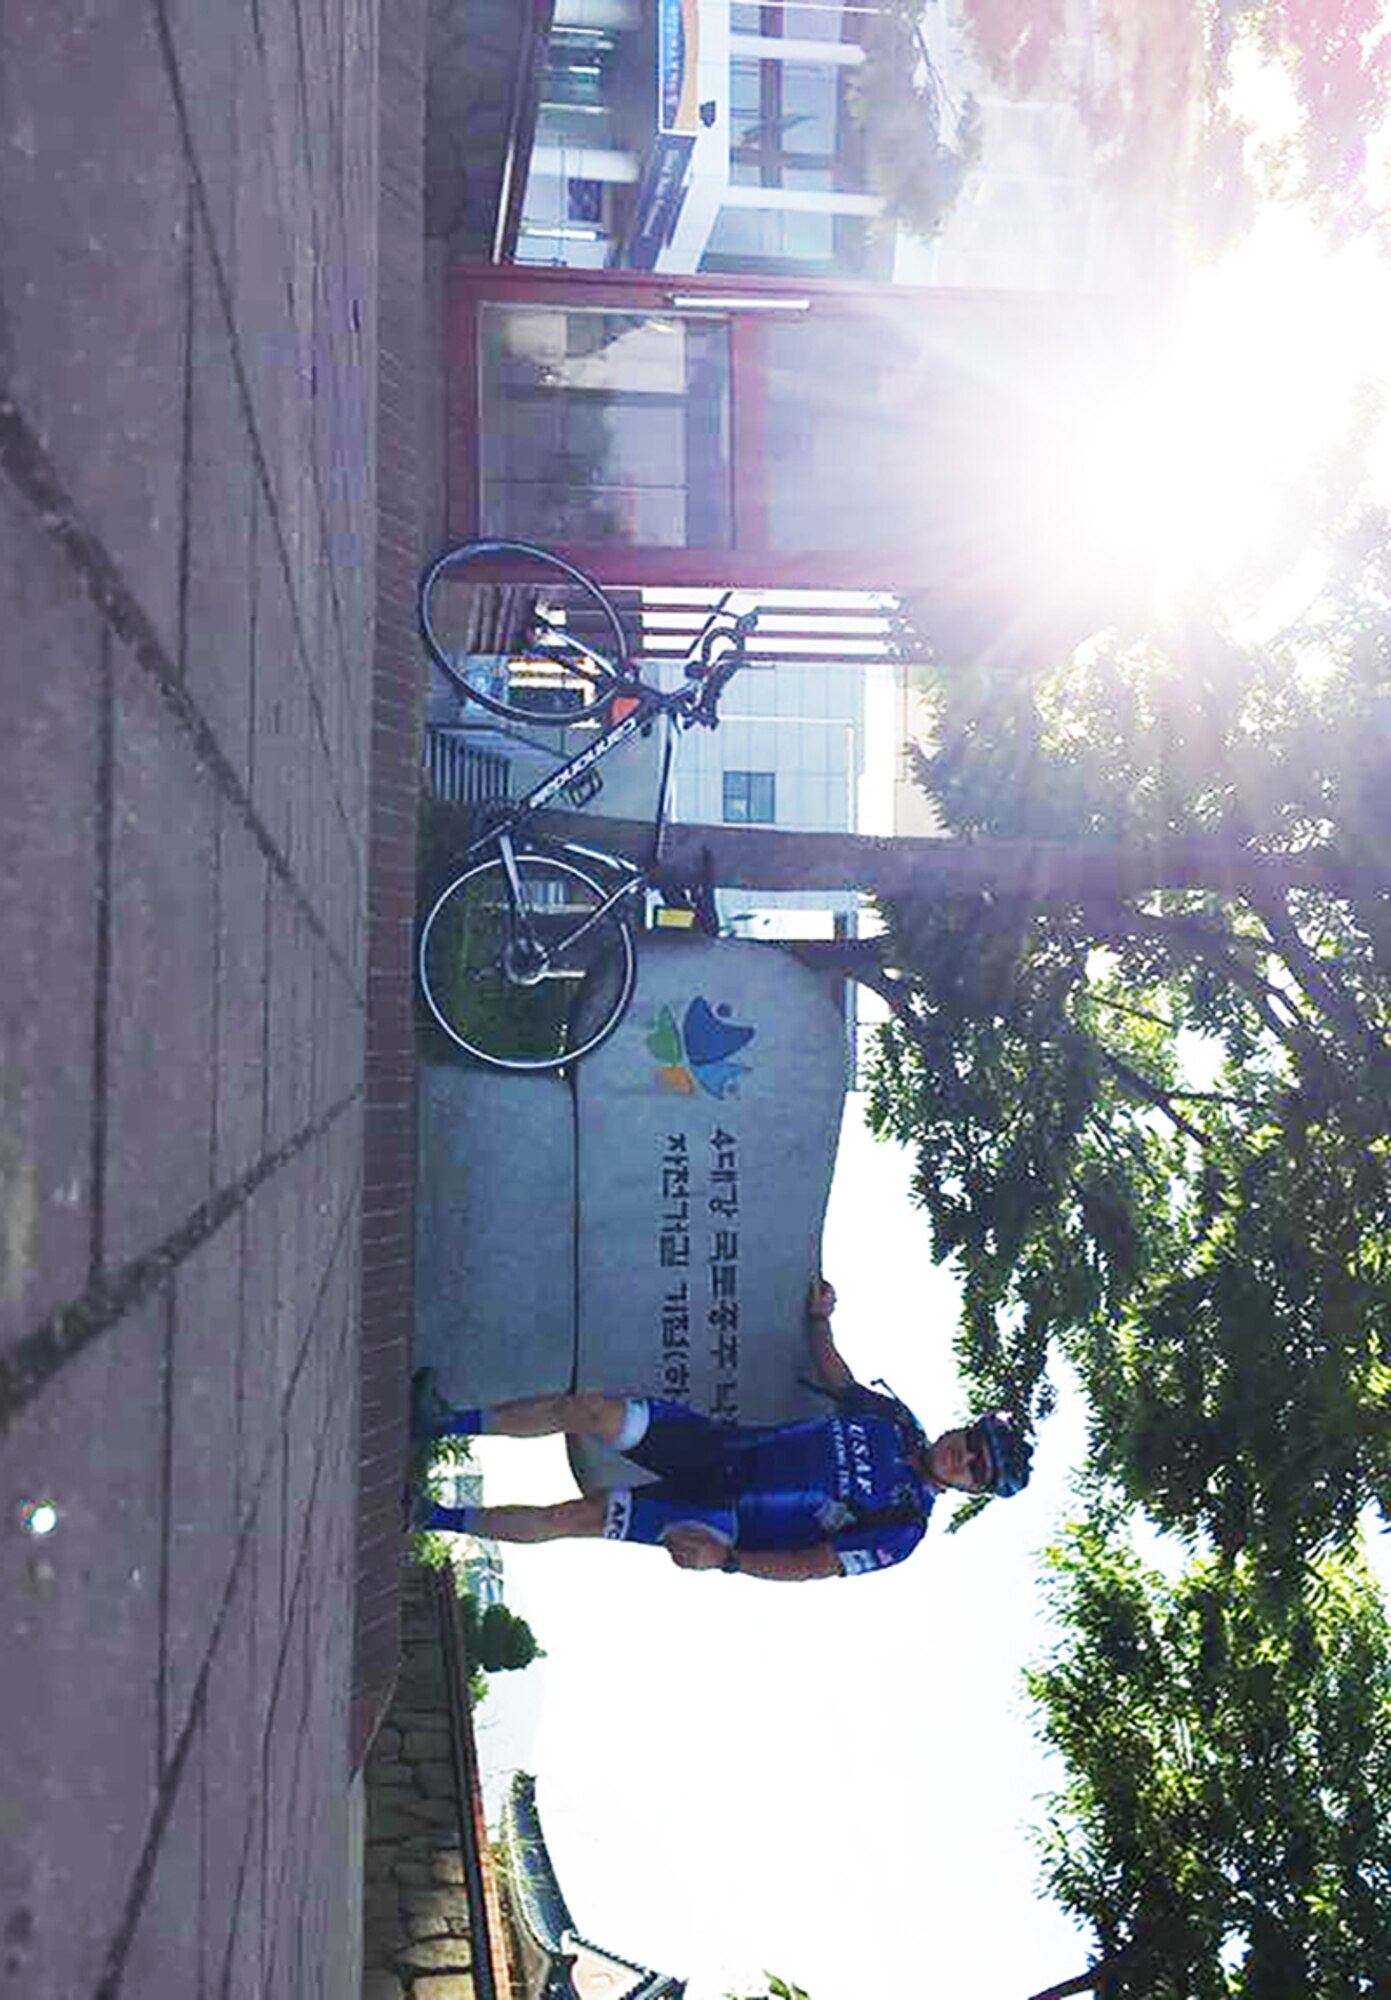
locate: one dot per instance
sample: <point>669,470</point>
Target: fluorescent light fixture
<point>565,232</point>
<point>734,302</point>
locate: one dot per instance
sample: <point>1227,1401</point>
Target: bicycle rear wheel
<point>522,631</point>
<point>509,980</point>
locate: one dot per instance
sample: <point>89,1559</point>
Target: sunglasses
<point>979,1463</point>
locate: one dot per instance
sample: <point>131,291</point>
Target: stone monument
<point>650,1223</point>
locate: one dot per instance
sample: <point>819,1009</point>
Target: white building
<point>720,136</point>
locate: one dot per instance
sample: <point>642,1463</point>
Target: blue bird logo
<point>700,1053</point>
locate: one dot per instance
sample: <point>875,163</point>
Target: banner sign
<point>661,193</point>
<point>677,44</point>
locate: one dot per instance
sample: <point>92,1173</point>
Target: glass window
<point>584,201</point>
<point>565,125</point>
<point>824,21</point>
<point>586,75</point>
<point>869,423</point>
<point>851,479</point>
<point>809,100</point>
<point>821,23</point>
<point>582,67</point>
<point>604,426</point>
<point>745,92</point>
<point>749,798</point>
<point>785,244</point>
<point>789,126</point>
<point>772,236</point>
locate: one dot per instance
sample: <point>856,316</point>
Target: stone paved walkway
<point>208,524</point>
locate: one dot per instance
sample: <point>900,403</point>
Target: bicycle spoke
<point>527,973</point>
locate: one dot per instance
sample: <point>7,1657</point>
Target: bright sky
<point>1277,357</point>
<point>819,1779</point>
<point>1215,462</point>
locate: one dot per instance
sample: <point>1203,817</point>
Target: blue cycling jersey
<point>846,1478</point>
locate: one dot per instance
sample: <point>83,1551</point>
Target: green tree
<point>897,97</point>
<point>1172,136</point>
<point>778,1989</point>
<point>1016,41</point>
<point>1225,1823</point>
<point>1337,56</point>
<point>1209,1252</point>
<point>496,1639</point>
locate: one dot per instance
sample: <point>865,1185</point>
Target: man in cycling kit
<point>833,1495</point>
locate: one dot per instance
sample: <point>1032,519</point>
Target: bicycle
<point>526,961</point>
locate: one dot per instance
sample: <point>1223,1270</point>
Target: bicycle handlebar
<point>720,673</point>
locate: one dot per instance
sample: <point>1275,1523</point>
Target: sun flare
<point>1205,468</point>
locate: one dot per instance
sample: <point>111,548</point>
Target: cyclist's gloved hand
<point>821,1299</point>
<point>695,1548</point>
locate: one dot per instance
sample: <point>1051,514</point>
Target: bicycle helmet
<point>1007,1454</point>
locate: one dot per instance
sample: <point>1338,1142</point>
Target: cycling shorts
<point>698,1485</point>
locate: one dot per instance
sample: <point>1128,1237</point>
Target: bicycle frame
<point>677,709</point>
<point>653,703</point>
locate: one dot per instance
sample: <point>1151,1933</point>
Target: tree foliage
<point>496,1639</point>
<point>1337,54</point>
<point>1336,59</point>
<point>1169,127</point>
<point>1225,1822</point>
<point>1016,41</point>
<point>919,148</point>
<point>1154,1132</point>
<point>778,1989</point>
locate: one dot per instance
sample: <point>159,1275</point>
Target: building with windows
<point>806,741</point>
<point>686,135</point>
<point>554,1961</point>
<point>724,136</point>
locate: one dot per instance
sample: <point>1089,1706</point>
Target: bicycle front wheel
<point>529,981</point>
<point>522,631</point>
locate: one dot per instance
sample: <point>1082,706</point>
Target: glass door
<point>604,427</point>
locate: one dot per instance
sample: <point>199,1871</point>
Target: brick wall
<point>397,682</point>
<point>432,1921</point>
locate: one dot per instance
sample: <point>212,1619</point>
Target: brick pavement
<point>210,312</point>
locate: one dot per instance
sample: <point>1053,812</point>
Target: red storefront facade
<point>761,432</point>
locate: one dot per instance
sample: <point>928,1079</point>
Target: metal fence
<point>460,773</point>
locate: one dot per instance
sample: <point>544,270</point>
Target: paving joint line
<point>101,971</point>
<point>32,474</point>
<point>166,1524</point>
<point>37,1357</point>
<point>361,765</point>
<point>185,554</point>
<point>113,1971</point>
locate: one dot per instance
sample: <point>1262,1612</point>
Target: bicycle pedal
<point>585,787</point>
